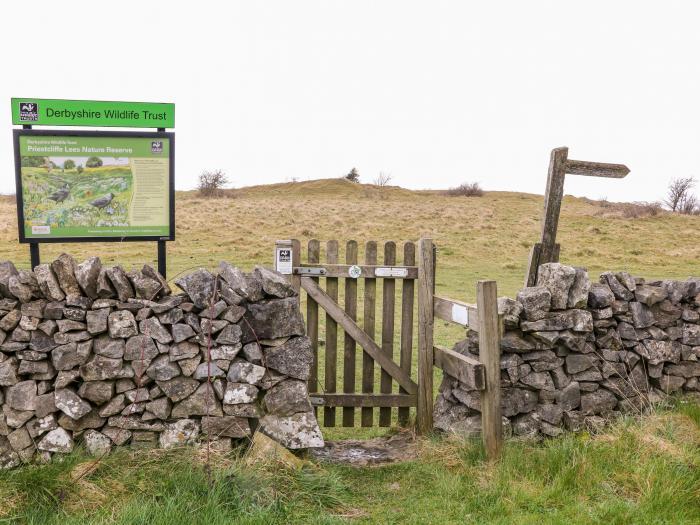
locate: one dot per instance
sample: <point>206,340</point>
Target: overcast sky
<point>433,93</point>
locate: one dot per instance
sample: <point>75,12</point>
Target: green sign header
<point>51,112</point>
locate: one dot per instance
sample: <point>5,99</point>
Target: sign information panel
<point>56,112</point>
<point>94,186</point>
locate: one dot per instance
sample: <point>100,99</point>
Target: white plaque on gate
<point>391,272</point>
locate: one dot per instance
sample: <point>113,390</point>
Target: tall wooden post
<point>547,250</point>
<point>286,257</point>
<point>490,358</point>
<point>426,284</point>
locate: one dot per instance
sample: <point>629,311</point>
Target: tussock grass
<point>639,470</point>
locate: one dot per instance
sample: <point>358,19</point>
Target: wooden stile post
<point>490,358</point>
<point>426,284</point>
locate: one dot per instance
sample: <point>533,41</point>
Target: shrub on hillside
<point>212,183</point>
<point>468,189</point>
<point>353,176</point>
<point>679,197</point>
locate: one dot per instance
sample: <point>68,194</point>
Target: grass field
<point>637,472</point>
<point>640,472</point>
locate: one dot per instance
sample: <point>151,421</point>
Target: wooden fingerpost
<point>547,250</point>
<point>349,353</point>
<point>388,304</point>
<point>426,282</point>
<point>331,360</point>
<point>368,325</point>
<point>314,249</point>
<point>407,293</point>
<point>490,358</point>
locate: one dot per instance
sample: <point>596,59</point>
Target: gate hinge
<point>303,270</point>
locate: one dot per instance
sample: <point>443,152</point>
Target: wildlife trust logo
<point>28,111</point>
<point>157,146</point>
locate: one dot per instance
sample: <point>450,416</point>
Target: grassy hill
<point>484,237</point>
<point>639,471</point>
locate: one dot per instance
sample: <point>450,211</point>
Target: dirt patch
<point>369,452</point>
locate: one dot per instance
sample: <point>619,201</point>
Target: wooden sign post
<point>547,250</point>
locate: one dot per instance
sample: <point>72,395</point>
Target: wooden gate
<point>390,355</point>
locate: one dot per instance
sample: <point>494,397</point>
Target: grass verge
<point>640,470</point>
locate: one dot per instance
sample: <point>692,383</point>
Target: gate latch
<point>303,270</point>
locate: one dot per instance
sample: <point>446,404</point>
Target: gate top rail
<point>357,271</point>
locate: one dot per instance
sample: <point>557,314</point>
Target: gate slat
<point>312,319</point>
<point>349,353</point>
<point>407,298</point>
<point>368,326</point>
<point>331,361</point>
<point>388,303</point>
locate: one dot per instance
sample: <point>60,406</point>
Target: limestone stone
<point>21,396</point>
<point>48,284</point>
<point>295,432</point>
<point>140,347</point>
<point>243,372</point>
<point>178,388</point>
<point>145,287</point>
<point>230,335</point>
<point>58,440</point>
<point>293,358</point>
<point>247,286</point>
<point>162,369</point>
<point>558,279</point>
<point>100,368</point>
<point>64,269</point>
<point>106,346</point>
<point>87,273</point>
<point>201,403</point>
<point>598,402</point>
<point>274,283</point>
<point>97,320</point>
<point>99,392</point>
<point>239,393</point>
<point>122,324</point>
<point>120,281</point>
<point>271,319</point>
<point>71,404</point>
<point>199,286</point>
<point>578,293</point>
<point>656,352</point>
<point>536,302</point>
<point>7,270</point>
<point>96,443</point>
<point>179,433</point>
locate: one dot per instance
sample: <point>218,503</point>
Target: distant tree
<point>211,183</point>
<point>69,164</point>
<point>32,162</point>
<point>383,179</point>
<point>79,168</point>
<point>353,176</point>
<point>93,162</point>
<point>678,195</point>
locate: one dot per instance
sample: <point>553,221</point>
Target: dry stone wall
<point>575,353</point>
<point>106,357</point>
